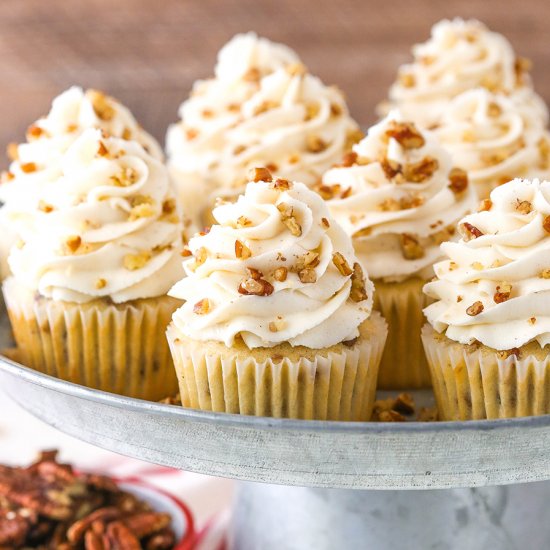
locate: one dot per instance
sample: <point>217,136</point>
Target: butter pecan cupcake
<point>37,162</point>
<point>459,56</point>
<point>277,317</point>
<point>261,108</point>
<point>398,195</point>
<point>495,138</point>
<point>98,249</point>
<point>489,325</point>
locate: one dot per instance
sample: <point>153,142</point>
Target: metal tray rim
<point>266,423</point>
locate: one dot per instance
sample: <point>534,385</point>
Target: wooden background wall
<point>148,52</point>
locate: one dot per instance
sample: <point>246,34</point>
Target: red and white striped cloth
<point>207,498</point>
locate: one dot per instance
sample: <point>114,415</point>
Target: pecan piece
<point>288,219</point>
<point>458,180</point>
<point>358,291</point>
<point>404,404</point>
<point>390,167</point>
<point>164,540</point>
<point>471,231</point>
<point>485,205</point>
<point>255,285</point>
<point>406,134</point>
<point>475,309</point>
<point>121,538</point>
<point>546,224</point>
<point>421,171</point>
<point>76,531</point>
<point>341,264</point>
<point>524,207</point>
<point>202,307</point>
<point>411,247</point>
<point>502,293</point>
<point>242,252</point>
<point>260,174</point>
<point>146,523</point>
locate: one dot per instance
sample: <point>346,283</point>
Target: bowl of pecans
<point>50,506</point>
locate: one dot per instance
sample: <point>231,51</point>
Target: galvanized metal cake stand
<point>327,485</point>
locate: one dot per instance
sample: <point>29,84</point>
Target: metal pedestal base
<point>270,517</point>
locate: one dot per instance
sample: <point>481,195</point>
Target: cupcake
<point>495,138</point>
<point>98,249</point>
<point>459,56</point>
<point>398,195</point>
<point>489,325</point>
<point>262,108</point>
<point>277,316</point>
<point>38,161</point>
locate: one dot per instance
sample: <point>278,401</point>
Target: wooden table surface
<point>147,53</point>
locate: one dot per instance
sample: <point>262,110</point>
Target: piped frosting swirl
<point>459,56</point>
<point>109,226</point>
<point>495,138</point>
<point>494,287</point>
<point>276,268</point>
<point>262,108</point>
<point>399,196</point>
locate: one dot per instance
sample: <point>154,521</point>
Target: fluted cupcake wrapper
<point>403,363</point>
<point>338,383</point>
<point>477,382</point>
<point>119,348</point>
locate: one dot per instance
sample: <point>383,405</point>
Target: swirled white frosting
<point>262,108</point>
<point>495,286</point>
<point>109,226</point>
<point>314,310</point>
<point>48,139</point>
<point>397,223</point>
<point>459,56</point>
<point>495,138</point>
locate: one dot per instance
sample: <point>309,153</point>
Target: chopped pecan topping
<point>243,221</point>
<point>186,252</point>
<point>102,150</point>
<point>102,107</point>
<point>546,224</point>
<point>524,207</point>
<point>411,247</point>
<point>202,307</point>
<point>307,275</point>
<point>132,262</point>
<point>35,132</point>
<point>341,264</point>
<point>390,416</point>
<point>100,283</point>
<point>428,414</point>
<point>390,167</point>
<point>532,320</point>
<point>407,80</point>
<point>328,192</point>
<point>287,217</point>
<point>168,206</point>
<point>201,255</point>
<point>252,75</point>
<point>358,291</point>
<point>406,134</point>
<point>335,109</point>
<point>255,287</point>
<point>277,325</point>
<point>494,110</point>
<point>471,231</point>
<point>502,293</point>
<point>281,184</point>
<point>458,180</point>
<point>443,235</point>
<point>349,160</point>
<point>29,167</point>
<point>421,171</point>
<point>404,404</point>
<point>127,134</point>
<point>12,151</point>
<point>309,259</point>
<point>265,106</point>
<point>312,110</point>
<point>45,207</point>
<point>280,274</point>
<point>475,309</point>
<point>191,133</point>
<point>315,144</point>
<point>485,205</point>
<point>325,223</point>
<point>73,243</point>
<point>545,274</point>
<point>242,252</point>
